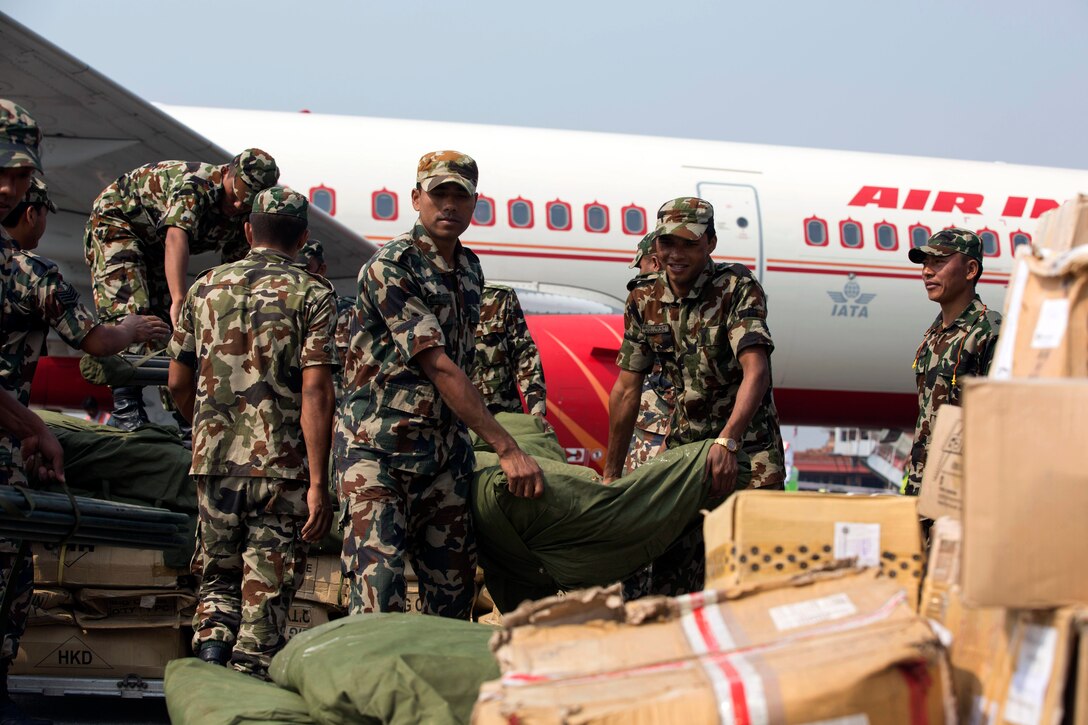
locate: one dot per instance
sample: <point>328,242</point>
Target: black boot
<point>128,408</point>
<point>10,713</point>
<point>215,651</point>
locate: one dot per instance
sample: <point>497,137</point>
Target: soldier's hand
<point>175,312</point>
<point>320,518</point>
<point>721,470</point>
<point>146,327</point>
<point>41,451</point>
<point>523,475</point>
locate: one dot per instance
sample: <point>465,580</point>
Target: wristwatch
<point>728,443</point>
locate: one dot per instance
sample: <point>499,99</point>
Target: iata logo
<point>851,302</point>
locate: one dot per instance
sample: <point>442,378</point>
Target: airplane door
<point>738,223</point>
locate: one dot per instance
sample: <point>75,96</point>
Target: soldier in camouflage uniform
<point>26,222</point>
<point>707,325</point>
<point>959,343</point>
<point>34,298</point>
<point>252,368</point>
<point>655,406</point>
<point>507,359</point>
<point>313,256</point>
<point>403,457</point>
<point>144,226</point>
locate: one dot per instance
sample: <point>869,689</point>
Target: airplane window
<point>634,220</point>
<point>1019,238</point>
<point>815,232</point>
<point>596,218</point>
<point>384,205</point>
<point>484,214</point>
<point>990,246</point>
<point>850,232</point>
<point>887,237</point>
<point>919,235</point>
<point>521,213</point>
<point>558,215</point>
<point>324,199</point>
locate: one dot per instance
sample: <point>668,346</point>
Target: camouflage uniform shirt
<point>409,300</point>
<point>945,357</point>
<point>506,356</point>
<point>697,339</point>
<point>182,194</point>
<point>248,329</point>
<point>345,306</point>
<point>35,298</point>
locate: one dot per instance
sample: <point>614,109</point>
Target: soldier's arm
<point>177,262</point>
<point>721,465</point>
<point>110,339</point>
<point>317,403</point>
<point>523,474</point>
<point>635,359</point>
<point>35,438</point>
<point>181,380</point>
<point>530,368</point>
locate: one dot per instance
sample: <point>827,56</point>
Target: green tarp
<point>199,693</point>
<point>388,668</point>
<point>581,533</point>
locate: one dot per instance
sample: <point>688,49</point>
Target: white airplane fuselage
<point>844,318</point>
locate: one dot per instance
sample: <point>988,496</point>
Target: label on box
<point>1024,705</point>
<point>148,602</point>
<point>812,611</point>
<point>1050,329</point>
<point>858,541</point>
<point>859,719</point>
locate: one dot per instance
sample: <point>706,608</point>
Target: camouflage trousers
<point>22,586</point>
<point>128,275</point>
<point>644,446</point>
<point>250,560</point>
<point>390,515</point>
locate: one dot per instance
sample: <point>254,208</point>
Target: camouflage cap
<point>686,217</point>
<point>947,241</point>
<point>257,169</point>
<point>38,193</point>
<point>20,137</point>
<point>440,167</point>
<point>646,246</point>
<point>281,200</point>
<point>312,249</point>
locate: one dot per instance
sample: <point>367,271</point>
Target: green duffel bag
<point>388,668</point>
<point>200,693</point>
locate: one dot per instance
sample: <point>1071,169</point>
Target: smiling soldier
<point>960,342</point>
<point>706,323</point>
<point>403,457</point>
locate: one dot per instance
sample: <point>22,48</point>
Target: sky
<point>988,80</point>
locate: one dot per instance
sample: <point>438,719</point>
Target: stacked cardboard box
<point>1009,472</point>
<point>830,645</point>
<point>322,596</point>
<point>105,612</point>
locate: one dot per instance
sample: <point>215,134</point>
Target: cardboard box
<point>762,535</point>
<point>942,479</point>
<point>595,631</point>
<point>84,565</point>
<point>1044,332</point>
<point>305,615</point>
<point>1025,542</point>
<point>323,582</point>
<point>980,652</point>
<point>890,673</point>
<point>50,606</point>
<point>133,608</point>
<point>59,650</point>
